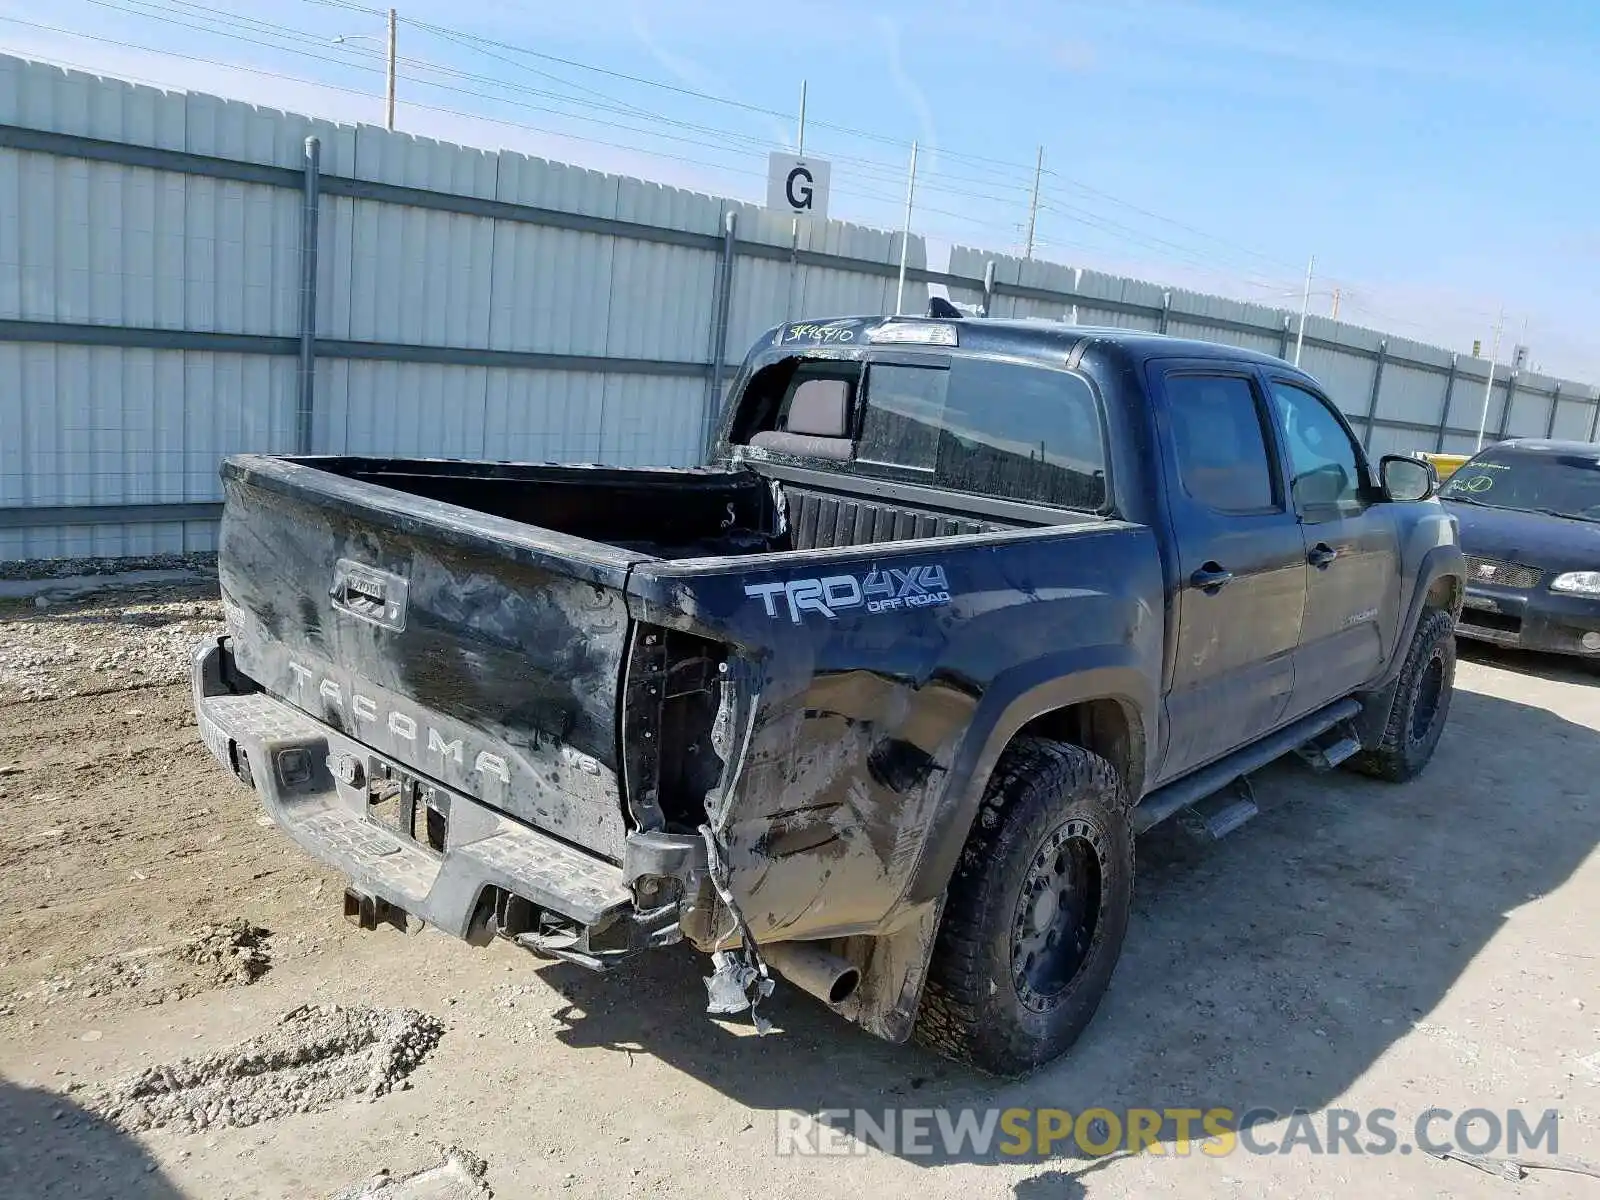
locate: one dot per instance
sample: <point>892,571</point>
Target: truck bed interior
<point>665,513</point>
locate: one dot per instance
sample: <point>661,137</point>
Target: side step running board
<point>1181,793</point>
<point>1220,813</point>
<point>1332,748</point>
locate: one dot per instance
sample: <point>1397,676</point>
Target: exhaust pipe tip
<point>813,970</point>
<point>844,986</point>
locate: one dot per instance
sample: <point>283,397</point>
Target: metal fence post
<point>1372,400</point>
<point>1444,413</point>
<point>1550,423</point>
<point>1283,340</point>
<point>1166,311</point>
<point>988,288</point>
<point>1505,413</point>
<point>1594,421</point>
<point>306,396</point>
<point>721,314</point>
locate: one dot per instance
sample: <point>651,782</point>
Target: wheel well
<point>1444,594</point>
<point>1104,727</point>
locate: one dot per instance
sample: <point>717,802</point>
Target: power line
<point>844,129</point>
<point>890,172</point>
<point>721,167</point>
<point>345,4</point>
<point>312,46</point>
<point>317,83</point>
<point>857,191</point>
<point>893,170</point>
<point>1145,212</point>
<point>368,66</point>
<point>884,172</point>
<point>1102,195</point>
<point>466,43</point>
<point>898,143</point>
<point>1185,254</point>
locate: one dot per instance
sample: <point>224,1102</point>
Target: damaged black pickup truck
<point>878,702</point>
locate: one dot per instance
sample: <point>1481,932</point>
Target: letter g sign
<point>797,188</point>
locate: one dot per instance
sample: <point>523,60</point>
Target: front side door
<point>1352,547</point>
<point>1241,563</point>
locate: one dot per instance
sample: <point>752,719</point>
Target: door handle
<point>1210,578</point>
<point>1321,555</point>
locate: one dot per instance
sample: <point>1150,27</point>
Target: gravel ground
<point>457,1175</point>
<point>315,1057</point>
<point>1357,946</point>
<point>62,568</point>
<point>130,641</point>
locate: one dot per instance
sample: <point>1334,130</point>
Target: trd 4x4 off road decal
<point>880,590</point>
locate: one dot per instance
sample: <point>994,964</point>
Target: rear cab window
<point>987,426</point>
<point>1220,441</point>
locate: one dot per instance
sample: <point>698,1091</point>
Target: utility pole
<point>905,234</point>
<point>1335,302</point>
<point>389,74</point>
<point>1305,303</point>
<point>794,223</point>
<point>1033,208</point>
<point>800,135</point>
<point>1488,388</point>
<point>388,110</point>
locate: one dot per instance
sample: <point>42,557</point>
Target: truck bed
<point>664,513</point>
<point>469,620</point>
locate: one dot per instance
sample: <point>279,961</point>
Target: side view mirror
<point>1407,479</point>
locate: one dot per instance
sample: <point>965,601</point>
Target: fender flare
<point>1377,699</point>
<point>1436,564</point>
<point>1009,703</point>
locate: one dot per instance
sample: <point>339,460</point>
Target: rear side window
<point>991,428</point>
<point>1220,444</point>
<point>904,417</point>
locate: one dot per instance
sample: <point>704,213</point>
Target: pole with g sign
<point>797,186</point>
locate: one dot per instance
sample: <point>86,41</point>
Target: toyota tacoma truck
<point>876,703</point>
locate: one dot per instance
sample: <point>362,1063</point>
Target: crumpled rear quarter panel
<point>857,718</point>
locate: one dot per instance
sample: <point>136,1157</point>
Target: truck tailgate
<point>477,651</point>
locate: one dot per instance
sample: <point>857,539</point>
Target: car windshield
<point>1564,483</point>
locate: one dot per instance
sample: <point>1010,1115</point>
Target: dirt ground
<point>1358,946</point>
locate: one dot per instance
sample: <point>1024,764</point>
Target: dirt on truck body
<point>877,702</point>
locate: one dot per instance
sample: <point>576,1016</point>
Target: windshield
<point>1531,480</point>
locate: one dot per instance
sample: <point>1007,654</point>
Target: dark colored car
<point>1529,515</point>
<point>878,701</point>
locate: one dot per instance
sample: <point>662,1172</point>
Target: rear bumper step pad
<point>249,734</point>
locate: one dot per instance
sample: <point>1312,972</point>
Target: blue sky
<point>1440,160</point>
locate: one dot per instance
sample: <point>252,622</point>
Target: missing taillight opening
<point>671,757</point>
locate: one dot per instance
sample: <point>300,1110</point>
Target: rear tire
<point>1420,706</point>
<point>1035,914</point>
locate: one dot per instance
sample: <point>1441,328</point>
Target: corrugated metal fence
<point>165,301</point>
<point>156,311</point>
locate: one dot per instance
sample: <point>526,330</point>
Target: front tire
<point>1036,912</point>
<point>1420,706</point>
